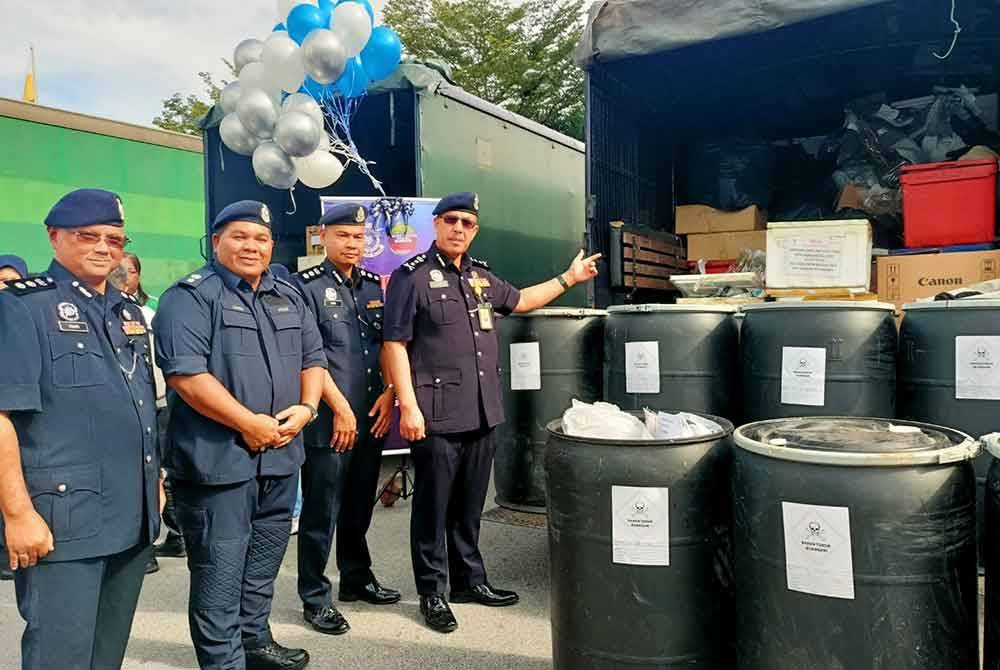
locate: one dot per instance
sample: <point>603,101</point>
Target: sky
<point>120,59</point>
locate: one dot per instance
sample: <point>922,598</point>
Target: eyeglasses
<point>93,239</point>
<point>451,220</point>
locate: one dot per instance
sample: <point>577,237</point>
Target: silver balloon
<point>324,56</point>
<point>236,136</point>
<point>273,166</point>
<point>257,112</point>
<point>300,102</point>
<point>247,51</point>
<point>230,97</point>
<point>297,134</point>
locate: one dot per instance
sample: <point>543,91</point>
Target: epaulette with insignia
<point>197,277</point>
<point>311,274</point>
<point>31,284</point>
<point>415,262</point>
<point>480,263</point>
<point>365,274</point>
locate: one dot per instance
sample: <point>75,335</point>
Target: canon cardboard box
<point>725,246</point>
<point>903,279</point>
<point>819,254</point>
<point>701,219</point>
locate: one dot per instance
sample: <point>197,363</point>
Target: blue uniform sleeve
<point>313,355</point>
<point>505,296</point>
<point>183,330</point>
<point>400,307</point>
<point>20,358</point>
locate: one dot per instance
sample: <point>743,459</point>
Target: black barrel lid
<point>856,441</point>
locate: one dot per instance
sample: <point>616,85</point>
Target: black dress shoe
<point>437,614</point>
<point>326,620</point>
<point>171,547</point>
<point>275,657</point>
<point>372,592</point>
<point>484,594</point>
<point>152,566</point>
<point>6,574</point>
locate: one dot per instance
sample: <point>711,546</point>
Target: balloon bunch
<point>297,91</point>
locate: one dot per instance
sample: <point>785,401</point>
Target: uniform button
<point>366,351</point>
<point>119,350</point>
<point>479,353</point>
<point>369,389</point>
<point>61,488</point>
<point>140,403</point>
<point>79,345</point>
<point>109,325</point>
<point>369,370</point>
<point>476,332</point>
<point>149,459</point>
<point>437,380</point>
<point>444,296</point>
<point>480,373</point>
<point>149,430</point>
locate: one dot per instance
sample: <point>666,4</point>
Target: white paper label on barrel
<point>977,368</point>
<point>525,367</point>
<point>642,367</point>
<point>818,550</point>
<point>803,376</point>
<point>640,525</point>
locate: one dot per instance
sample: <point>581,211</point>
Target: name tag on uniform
<point>439,284</point>
<point>375,304</point>
<point>485,312</point>
<point>133,328</point>
<point>73,327</point>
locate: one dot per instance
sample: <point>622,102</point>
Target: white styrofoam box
<point>819,254</point>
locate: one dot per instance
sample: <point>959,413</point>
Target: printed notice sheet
<point>640,525</point>
<point>977,368</point>
<point>525,367</point>
<point>818,550</point>
<point>803,376</point>
<point>642,367</point>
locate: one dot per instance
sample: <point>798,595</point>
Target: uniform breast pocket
<point>77,360</point>
<point>288,328</point>
<point>334,326</point>
<point>239,333</point>
<point>445,309</point>
<point>435,392</point>
<point>375,321</point>
<point>69,499</point>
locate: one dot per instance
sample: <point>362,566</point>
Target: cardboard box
<point>314,246</point>
<point>819,254</point>
<point>724,246</point>
<point>701,219</point>
<point>905,279</point>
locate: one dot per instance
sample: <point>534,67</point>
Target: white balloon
<point>319,169</point>
<point>286,6</point>
<point>324,142</point>
<point>229,97</point>
<point>236,137</point>
<point>282,59</point>
<point>273,166</point>
<point>301,102</point>
<point>351,23</point>
<point>247,51</point>
<point>258,113</point>
<point>256,76</point>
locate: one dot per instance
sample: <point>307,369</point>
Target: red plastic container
<point>712,267</point>
<point>949,203</point>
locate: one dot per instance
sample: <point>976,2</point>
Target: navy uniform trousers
<point>231,530</point>
<point>79,613</point>
<point>338,493</point>
<point>453,476</point>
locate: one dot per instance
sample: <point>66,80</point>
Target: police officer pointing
<point>441,350</point>
<point>340,474</point>
<point>245,361</point>
<point>78,460</point>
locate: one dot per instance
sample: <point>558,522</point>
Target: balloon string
<point>340,111</point>
<point>222,158</point>
<point>291,195</point>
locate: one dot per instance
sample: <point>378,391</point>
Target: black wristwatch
<point>562,281</point>
<point>312,410</point>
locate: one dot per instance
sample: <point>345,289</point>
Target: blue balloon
<point>302,20</point>
<point>382,53</point>
<point>367,5</point>
<point>280,28</point>
<point>326,6</point>
<point>354,82</point>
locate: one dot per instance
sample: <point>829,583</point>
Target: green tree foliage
<point>516,56</point>
<point>183,113</point>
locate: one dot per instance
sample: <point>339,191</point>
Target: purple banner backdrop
<point>398,229</point>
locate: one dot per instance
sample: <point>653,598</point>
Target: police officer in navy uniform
<point>341,474</point>
<point>441,351</point>
<point>79,470</point>
<point>244,361</point>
